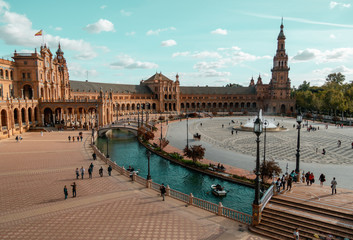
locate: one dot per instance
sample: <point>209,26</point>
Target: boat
<point>218,191</point>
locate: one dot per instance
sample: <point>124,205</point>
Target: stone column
<point>256,214</point>
<point>42,119</point>
<point>26,119</point>
<point>22,93</point>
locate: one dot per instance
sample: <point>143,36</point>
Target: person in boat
<point>219,187</point>
<point>130,169</point>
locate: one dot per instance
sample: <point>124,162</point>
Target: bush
<point>245,112</point>
<point>176,156</point>
<point>335,119</point>
<point>171,117</point>
<point>319,117</point>
<point>192,115</point>
<point>230,113</point>
<point>195,164</point>
<point>309,115</point>
<point>161,118</point>
<point>214,113</point>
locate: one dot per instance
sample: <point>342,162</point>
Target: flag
<point>38,33</point>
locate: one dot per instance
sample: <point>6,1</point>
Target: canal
<point>125,150</point>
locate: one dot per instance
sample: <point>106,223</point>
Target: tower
<point>63,74</point>
<point>280,82</point>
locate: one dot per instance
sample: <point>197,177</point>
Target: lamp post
<point>148,154</point>
<point>299,121</point>
<point>187,130</point>
<point>160,140</point>
<point>265,124</point>
<point>142,107</point>
<point>107,147</point>
<point>257,130</point>
<point>138,115</point>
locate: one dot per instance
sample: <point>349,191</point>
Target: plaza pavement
<point>239,150</point>
<point>32,206</point>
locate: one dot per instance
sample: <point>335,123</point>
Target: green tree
<point>267,168</point>
<point>337,78</point>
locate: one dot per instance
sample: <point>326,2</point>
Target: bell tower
<point>63,73</point>
<point>280,82</point>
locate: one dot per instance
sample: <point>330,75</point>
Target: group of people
<point>283,182</point>
<point>90,171</point>
<point>18,138</point>
<point>75,137</point>
<point>310,178</point>
<point>74,187</point>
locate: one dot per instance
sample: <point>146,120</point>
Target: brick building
<point>35,90</point>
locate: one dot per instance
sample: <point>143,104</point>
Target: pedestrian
<point>339,143</point>
<point>101,171</point>
<point>317,150</point>
<point>78,138</point>
<point>73,189</point>
<point>222,125</point>
<point>322,179</point>
<point>69,137</point>
<point>16,138</point>
<point>323,151</point>
<point>352,145</point>
<point>82,172</point>
<point>91,166</point>
<point>163,191</point>
<point>296,234</point>
<point>41,133</point>
<point>278,185</point>
<point>110,170</point>
<point>94,156</point>
<point>333,185</point>
<point>236,132</point>
<point>289,183</point>
<point>81,138</point>
<point>77,173</point>
<point>283,181</point>
<point>232,132</point>
<point>65,192</point>
<point>73,138</point>
<point>311,178</point>
<point>90,172</point>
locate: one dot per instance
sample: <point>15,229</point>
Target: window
<point>25,62</point>
<point>29,75</point>
<point>23,75</point>
<point>1,93</point>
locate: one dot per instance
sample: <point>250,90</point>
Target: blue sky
<point>207,42</point>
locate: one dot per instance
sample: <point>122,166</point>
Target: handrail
<point>266,197</point>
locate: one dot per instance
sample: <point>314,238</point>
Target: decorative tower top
<point>177,77</point>
<point>252,83</point>
<point>281,34</point>
<point>259,80</point>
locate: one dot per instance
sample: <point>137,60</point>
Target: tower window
<point>282,46</point>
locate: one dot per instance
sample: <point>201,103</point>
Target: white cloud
<point>58,28</point>
<point>156,32</point>
<point>125,13</point>
<point>202,66</point>
<point>4,6</point>
<point>183,54</point>
<point>130,33</point>
<point>103,7</point>
<point>168,43</point>
<point>220,31</point>
<point>80,73</point>
<point>334,4</point>
<point>332,36</point>
<point>16,29</point>
<point>326,71</point>
<point>104,48</point>
<point>126,62</point>
<point>334,55</point>
<point>102,25</point>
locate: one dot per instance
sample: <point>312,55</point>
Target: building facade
<point>35,90</point>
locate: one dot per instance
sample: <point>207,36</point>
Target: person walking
<point>289,183</point>
<point>69,137</point>
<point>94,156</point>
<point>334,185</point>
<point>296,234</point>
<point>110,170</point>
<point>311,178</point>
<point>163,191</point>
<point>101,171</point>
<point>77,173</point>
<point>81,137</point>
<point>82,172</point>
<point>90,172</point>
<point>73,189</point>
<point>78,138</point>
<point>283,181</point>
<point>91,166</point>
<point>73,138</point>
<point>322,179</point>
<point>65,192</point>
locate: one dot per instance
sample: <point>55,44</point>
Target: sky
<point>207,42</point>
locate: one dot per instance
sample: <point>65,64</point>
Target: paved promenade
<point>32,206</point>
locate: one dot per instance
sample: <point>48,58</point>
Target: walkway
<point>32,206</point>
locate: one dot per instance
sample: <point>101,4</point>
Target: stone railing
<point>189,199</point>
<point>266,197</point>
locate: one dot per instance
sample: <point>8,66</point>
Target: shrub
<point>309,115</point>
<point>171,117</point>
<point>245,112</point>
<point>176,156</point>
<point>161,118</point>
<point>195,152</point>
<point>214,113</point>
<point>230,113</point>
<point>335,119</point>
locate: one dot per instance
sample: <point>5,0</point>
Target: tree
<point>337,78</point>
<point>304,87</point>
<point>145,134</point>
<point>267,168</point>
<point>164,142</point>
<point>195,152</point>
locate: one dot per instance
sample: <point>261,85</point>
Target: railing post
<point>256,214</point>
<point>220,208</point>
<point>149,183</point>
<point>191,197</point>
<point>167,191</point>
<point>133,176</point>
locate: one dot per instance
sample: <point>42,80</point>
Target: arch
<point>165,107</point>
<point>133,106</point>
<point>15,116</point>
<point>6,74</point>
<point>225,105</point>
<point>187,105</point>
<point>30,117</point>
<point>127,107</point>
<point>36,113</point>
<point>198,105</point>
<point>48,116</point>
<point>123,107</point>
<point>209,105</point>
<point>274,109</point>
<point>283,108</point>
<point>170,107</point>
<point>236,105</point>
<point>174,107</point>
<point>23,115</point>
<point>248,105</point>
<point>242,105</point>
<point>3,118</point>
<point>11,75</point>
<point>165,96</point>
<point>253,105</point>
<point>58,114</point>
<point>1,73</point>
<point>193,105</point>
<point>203,105</point>
<point>231,105</point>
<point>153,106</point>
<point>291,109</point>
<point>214,105</point>
<point>220,105</point>
<point>170,96</point>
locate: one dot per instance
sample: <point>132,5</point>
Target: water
<point>125,150</point>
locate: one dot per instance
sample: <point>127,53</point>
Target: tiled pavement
<point>32,206</point>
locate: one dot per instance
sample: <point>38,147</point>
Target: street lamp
<point>138,115</point>
<point>187,130</point>
<point>107,147</point>
<point>265,124</point>
<point>257,131</point>
<point>142,107</point>
<point>160,140</point>
<point>299,121</point>
<point>148,154</point>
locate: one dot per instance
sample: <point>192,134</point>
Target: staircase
<point>283,214</point>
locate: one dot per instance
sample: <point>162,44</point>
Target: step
<point>271,235</point>
<point>312,208</point>
<point>288,231</point>
<point>306,223</point>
